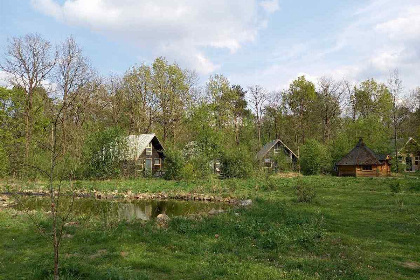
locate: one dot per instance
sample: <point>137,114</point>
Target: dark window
<point>366,167</point>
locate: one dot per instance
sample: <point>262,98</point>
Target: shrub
<point>283,162</point>
<point>102,153</point>
<point>4,163</point>
<point>315,158</point>
<point>174,164</point>
<point>305,193</point>
<point>395,187</point>
<point>237,163</point>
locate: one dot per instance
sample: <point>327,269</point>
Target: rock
<point>71,224</point>
<point>215,212</point>
<point>246,202</point>
<point>162,220</point>
<point>216,236</point>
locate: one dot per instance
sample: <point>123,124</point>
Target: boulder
<point>246,202</point>
<point>215,212</point>
<point>162,220</point>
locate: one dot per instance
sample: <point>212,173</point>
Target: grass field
<point>354,228</point>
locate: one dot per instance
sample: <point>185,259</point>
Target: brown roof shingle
<point>360,155</point>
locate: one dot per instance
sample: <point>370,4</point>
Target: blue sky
<point>266,42</point>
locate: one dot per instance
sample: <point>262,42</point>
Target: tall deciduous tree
<point>258,98</point>
<point>331,94</point>
<point>300,99</point>
<point>72,73</point>
<point>395,88</point>
<point>29,61</point>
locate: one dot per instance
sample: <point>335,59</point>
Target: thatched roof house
<point>363,162</point>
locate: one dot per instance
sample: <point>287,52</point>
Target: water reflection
<point>122,210</point>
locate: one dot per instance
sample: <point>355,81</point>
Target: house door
<point>148,164</point>
<point>408,164</point>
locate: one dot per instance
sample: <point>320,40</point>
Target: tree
<point>139,99</point>
<point>314,158</point>
<point>239,109</point>
<point>170,84</point>
<point>221,99</point>
<point>395,88</point>
<point>330,96</point>
<point>258,98</point>
<point>72,73</point>
<point>299,100</point>
<point>29,61</point>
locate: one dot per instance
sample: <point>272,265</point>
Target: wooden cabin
<point>145,155</point>
<point>363,162</point>
<point>409,156</point>
<point>266,156</point>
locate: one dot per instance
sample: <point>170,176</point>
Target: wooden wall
<point>345,170</point>
<point>377,170</point>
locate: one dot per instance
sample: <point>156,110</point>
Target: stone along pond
<point>127,210</point>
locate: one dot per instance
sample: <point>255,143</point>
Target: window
<point>148,164</point>
<point>149,149</point>
<point>400,159</point>
<point>367,167</point>
<point>276,151</point>
<point>416,160</point>
<point>157,163</point>
<point>267,162</point>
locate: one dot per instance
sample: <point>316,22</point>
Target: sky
<point>265,42</point>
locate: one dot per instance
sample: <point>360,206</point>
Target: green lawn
<point>354,228</point>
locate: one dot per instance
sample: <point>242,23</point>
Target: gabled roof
<point>138,143</point>
<point>360,155</point>
<point>267,147</point>
<point>410,140</point>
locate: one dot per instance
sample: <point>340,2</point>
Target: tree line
<point>56,95</point>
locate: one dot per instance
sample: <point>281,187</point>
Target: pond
<point>121,209</point>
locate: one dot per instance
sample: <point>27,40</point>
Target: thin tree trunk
<point>395,136</point>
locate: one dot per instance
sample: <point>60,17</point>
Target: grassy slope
<point>354,229</point>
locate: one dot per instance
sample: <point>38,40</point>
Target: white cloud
<point>379,37</point>
<point>270,6</point>
<point>177,29</point>
<point>4,79</point>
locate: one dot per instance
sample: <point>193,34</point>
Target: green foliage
<point>305,193</point>
<point>103,152</point>
<point>237,163</point>
<point>4,162</point>
<point>395,187</point>
<point>174,164</point>
<point>315,158</point>
<point>283,162</point>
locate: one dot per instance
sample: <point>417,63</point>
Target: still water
<point>120,209</point>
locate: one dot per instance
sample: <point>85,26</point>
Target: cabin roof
<point>267,147</point>
<point>138,143</point>
<point>360,155</point>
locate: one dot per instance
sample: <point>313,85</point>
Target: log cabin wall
<point>347,171</point>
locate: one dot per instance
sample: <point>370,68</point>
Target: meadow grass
<point>353,228</point>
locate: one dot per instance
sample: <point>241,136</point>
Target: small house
<point>409,156</point>
<point>363,162</point>
<point>145,155</point>
<point>272,150</point>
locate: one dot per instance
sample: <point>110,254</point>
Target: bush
<point>4,163</point>
<point>315,158</point>
<point>237,163</point>
<point>305,193</point>
<point>283,162</point>
<point>103,152</point>
<point>174,164</point>
<point>395,187</point>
